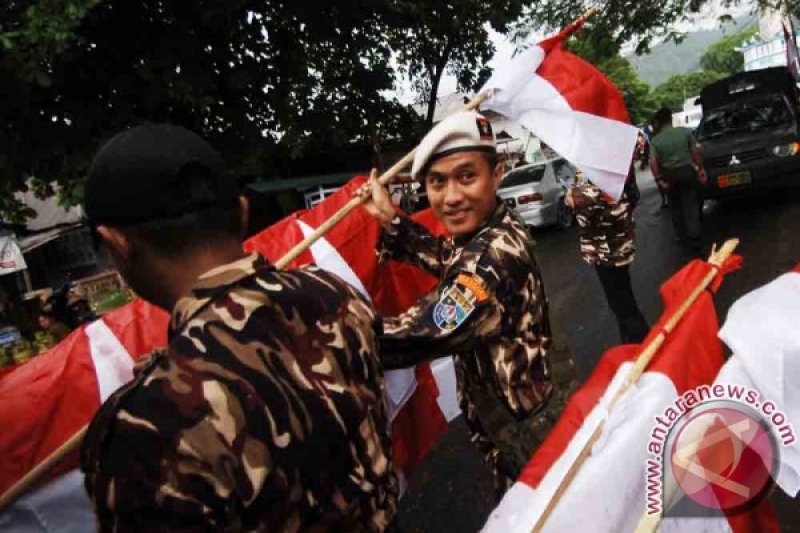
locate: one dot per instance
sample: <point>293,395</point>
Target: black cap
<point>150,172</point>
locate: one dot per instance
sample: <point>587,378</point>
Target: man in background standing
<point>678,167</point>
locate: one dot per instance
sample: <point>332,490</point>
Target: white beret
<point>464,131</point>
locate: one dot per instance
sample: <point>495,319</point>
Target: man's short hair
<point>662,117</point>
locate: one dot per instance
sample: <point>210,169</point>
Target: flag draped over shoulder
<point>570,105</point>
<point>421,400</point>
<point>610,491</point>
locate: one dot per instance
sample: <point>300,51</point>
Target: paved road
<point>452,491</point>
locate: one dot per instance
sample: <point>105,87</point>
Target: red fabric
<point>579,82</point>
<point>797,268</point>
<point>393,287</point>
<point>46,400</point>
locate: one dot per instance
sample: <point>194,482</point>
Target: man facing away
<point>489,309</point>
<point>678,167</point>
<point>265,410</point>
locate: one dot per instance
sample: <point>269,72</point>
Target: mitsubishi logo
<point>734,161</point>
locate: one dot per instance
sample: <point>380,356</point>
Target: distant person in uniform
<point>678,168</point>
<point>489,309</point>
<point>265,410</point>
<point>607,241</point>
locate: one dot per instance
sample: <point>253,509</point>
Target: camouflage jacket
<point>265,413</point>
<point>606,228</point>
<point>489,311</point>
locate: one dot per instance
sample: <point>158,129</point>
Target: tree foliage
<point>431,37</point>
<point>676,89</point>
<point>723,55</point>
<point>264,81</point>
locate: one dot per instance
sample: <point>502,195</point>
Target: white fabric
<point>113,364</point>
<point>762,332</point>
<point>609,491</point>
<point>444,372</point>
<point>61,506</point>
<point>11,259</point>
<point>600,147</point>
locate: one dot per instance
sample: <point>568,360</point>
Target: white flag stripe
<point>113,364</point>
<point>329,258</point>
<point>444,373</point>
<point>766,357</point>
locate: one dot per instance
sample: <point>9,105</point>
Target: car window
<point>521,176</point>
<point>746,116</point>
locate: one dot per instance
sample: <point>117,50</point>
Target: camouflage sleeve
<point>451,319</point>
<point>409,242</point>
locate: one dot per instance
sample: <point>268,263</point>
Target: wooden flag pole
<point>42,469</point>
<point>717,258</point>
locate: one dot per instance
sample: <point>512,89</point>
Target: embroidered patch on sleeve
<point>474,284</point>
<point>453,309</point>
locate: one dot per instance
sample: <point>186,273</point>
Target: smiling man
<point>489,309</point>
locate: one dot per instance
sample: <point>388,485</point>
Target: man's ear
<point>497,177</point>
<point>244,214</point>
<point>116,241</point>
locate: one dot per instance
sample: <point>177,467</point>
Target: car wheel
<point>564,215</point>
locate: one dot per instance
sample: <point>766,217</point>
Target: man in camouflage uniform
<point>606,231</point>
<point>489,309</point>
<point>265,410</point>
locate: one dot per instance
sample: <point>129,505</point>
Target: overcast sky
<point>707,19</point>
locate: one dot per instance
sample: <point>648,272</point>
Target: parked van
<point>749,135</point>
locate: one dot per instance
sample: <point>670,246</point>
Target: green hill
<point>666,59</point>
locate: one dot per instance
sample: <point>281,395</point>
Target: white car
<point>536,192</point>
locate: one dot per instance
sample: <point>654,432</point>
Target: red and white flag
<point>48,399</point>
<point>570,105</point>
<point>421,400</point>
<point>613,489</point>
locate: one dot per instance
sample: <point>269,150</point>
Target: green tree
<point>676,89</point>
<point>266,82</point>
<point>431,37</point>
<point>723,55</point>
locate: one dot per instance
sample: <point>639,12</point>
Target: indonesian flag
<point>570,105</point>
<point>421,400</point>
<point>615,485</point>
<point>48,399</point>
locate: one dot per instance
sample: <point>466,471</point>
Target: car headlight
<point>785,150</point>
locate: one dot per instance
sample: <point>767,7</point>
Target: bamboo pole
<point>42,469</point>
<point>717,258</point>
